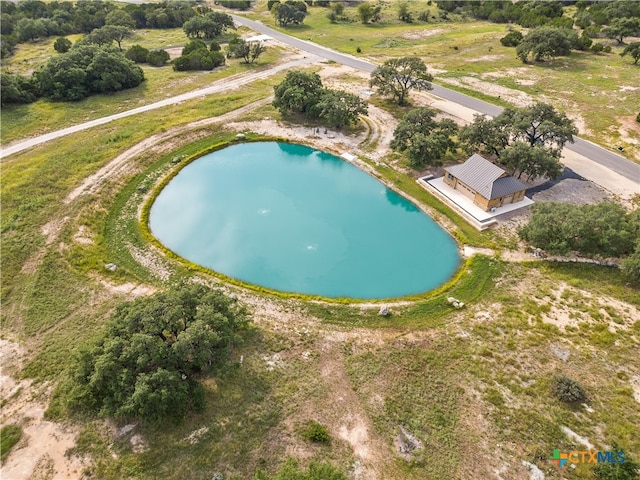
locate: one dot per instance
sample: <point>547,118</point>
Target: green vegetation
<point>628,469</point>
<point>604,229</point>
<point>209,26</point>
<point>196,56</point>
<point>512,39</point>
<point>9,436</point>
<point>315,432</point>
<point>633,50</point>
<point>398,76</point>
<point>545,43</point>
<point>249,51</point>
<point>525,141</point>
<point>316,471</point>
<point>291,12</point>
<point>154,350</point>
<point>455,381</point>
<point>424,140</point>
<point>303,93</point>
<point>481,67</point>
<point>568,390</point>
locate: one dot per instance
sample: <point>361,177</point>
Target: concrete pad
<point>466,204</point>
<point>601,175</point>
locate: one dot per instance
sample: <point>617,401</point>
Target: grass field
<point>472,386</point>
<point>600,92</point>
<point>22,121</point>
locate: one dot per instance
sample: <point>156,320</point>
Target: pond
<point>294,219</point>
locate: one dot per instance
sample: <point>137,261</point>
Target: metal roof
<point>506,186</point>
<point>485,178</point>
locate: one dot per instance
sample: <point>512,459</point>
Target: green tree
<point>337,108</point>
<point>137,54</point>
<point>200,59</point>
<point>192,46</point>
<point>633,50</point>
<point>17,89</point>
<point>368,12</point>
<point>121,18</point>
<point>397,76</point>
<point>627,470</point>
<point>249,51</point>
<point>209,26</point>
<point>622,27</point>
<point>539,127</point>
<point>512,39</point>
<point>533,161</point>
<point>87,69</point>
<point>108,34</point>
<point>545,42</point>
<point>28,29</point>
<point>291,12</point>
<point>297,93</point>
<point>604,229</point>
<point>62,45</point>
<point>424,140</point>
<point>148,362</point>
<point>158,57</point>
<point>541,124</point>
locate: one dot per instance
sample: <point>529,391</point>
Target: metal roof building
<point>485,178</point>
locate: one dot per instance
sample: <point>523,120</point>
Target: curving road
<point>219,86</point>
<point>610,160</point>
<point>597,154</point>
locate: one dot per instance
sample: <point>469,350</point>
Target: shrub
<point>137,53</point>
<point>623,470</point>
<point>597,48</point>
<point>316,432</point>
<point>62,45</point>
<point>568,390</point>
<point>157,58</point>
<point>512,39</point>
<point>214,47</point>
<point>9,435</point>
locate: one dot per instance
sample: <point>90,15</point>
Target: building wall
<point>478,199</point>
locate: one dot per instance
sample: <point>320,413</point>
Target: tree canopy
<point>291,12</point>
<point>337,108</point>
<point>546,42</point>
<point>604,229</point>
<point>208,26</point>
<point>397,76</point>
<point>633,50</point>
<point>297,93</point>
<point>422,138</point>
<point>154,349</point>
<point>87,69</point>
<point>303,93</point>
<point>368,12</point>
<point>622,27</point>
<point>525,141</point>
<point>249,51</point>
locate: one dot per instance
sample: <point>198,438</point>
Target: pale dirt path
<point>229,83</point>
<point>119,165</point>
<point>348,415</point>
<point>42,449</point>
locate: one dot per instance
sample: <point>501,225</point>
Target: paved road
<point>604,157</point>
<point>222,85</point>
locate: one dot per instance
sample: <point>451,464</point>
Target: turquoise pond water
<point>295,219</point>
